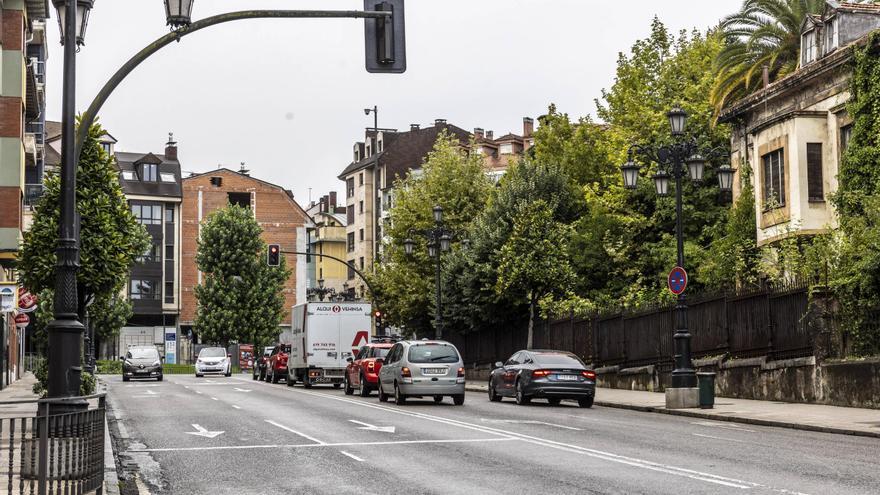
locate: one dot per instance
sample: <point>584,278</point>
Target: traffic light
<point>385,38</point>
<point>378,315</point>
<point>273,255</point>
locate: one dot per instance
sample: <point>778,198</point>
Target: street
<point>234,435</point>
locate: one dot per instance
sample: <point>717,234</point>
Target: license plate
<point>567,377</point>
<point>433,371</point>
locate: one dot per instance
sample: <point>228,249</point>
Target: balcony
<point>32,195</point>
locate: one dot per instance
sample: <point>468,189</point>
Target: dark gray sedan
<point>141,362</point>
<point>543,374</point>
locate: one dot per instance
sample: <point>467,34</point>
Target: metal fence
<point>768,322</point>
<point>53,450</point>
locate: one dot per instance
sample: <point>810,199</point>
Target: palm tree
<point>763,32</point>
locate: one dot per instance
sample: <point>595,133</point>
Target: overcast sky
<point>287,96</point>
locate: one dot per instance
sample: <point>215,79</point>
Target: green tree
<point>241,298</point>
<point>534,261</point>
<point>110,236</point>
<point>762,33</point>
<point>451,179</point>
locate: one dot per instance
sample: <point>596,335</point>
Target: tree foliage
<point>451,179</point>
<point>241,298</point>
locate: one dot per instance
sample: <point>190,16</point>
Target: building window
<point>351,270</point>
<point>107,147</point>
<point>167,177</point>
<point>362,262</point>
<point>830,35</point>
<point>169,252</point>
<point>147,214</point>
<point>153,254</point>
<point>815,188</point>
<point>242,199</point>
<point>506,149</point>
<point>127,175</point>
<point>350,214</point>
<point>143,289</point>
<point>774,178</point>
<point>808,47</point>
<point>362,234</point>
<point>350,242</point>
<point>845,136</point>
<point>149,172</point>
<point>169,292</point>
<point>361,207</point>
<point>349,187</point>
<point>169,214</point>
<point>361,178</point>
<point>380,145</point>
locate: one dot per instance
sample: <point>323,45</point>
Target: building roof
<point>128,162</point>
<point>854,7</point>
<point>223,170</point>
<point>38,9</point>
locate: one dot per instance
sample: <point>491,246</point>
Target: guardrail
<point>53,453</point>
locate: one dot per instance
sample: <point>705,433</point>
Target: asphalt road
<point>276,439</point>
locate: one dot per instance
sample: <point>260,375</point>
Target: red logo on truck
<point>336,309</point>
<point>361,335</point>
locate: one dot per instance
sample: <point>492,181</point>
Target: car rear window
<point>286,349</point>
<point>143,354</point>
<point>379,352</point>
<point>551,359</point>
<point>212,352</point>
<point>433,354</point>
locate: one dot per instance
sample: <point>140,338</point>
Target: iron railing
<point>46,452</point>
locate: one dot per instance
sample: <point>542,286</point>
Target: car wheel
<point>254,375</point>
<point>337,385</point>
<point>383,397</point>
<point>307,382</point>
<point>159,378</point>
<point>125,378</point>
<point>458,400</point>
<point>274,377</point>
<point>198,375</point>
<point>399,398</point>
<point>521,398</point>
<point>363,388</point>
<point>554,402</point>
<point>493,394</point>
<point>347,385</point>
<point>438,399</point>
<point>586,402</point>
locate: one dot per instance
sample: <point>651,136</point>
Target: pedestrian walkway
<point>21,389</point>
<point>812,417</point>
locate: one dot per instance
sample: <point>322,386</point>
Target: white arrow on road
<point>201,432</point>
<point>241,389</point>
<point>369,427</point>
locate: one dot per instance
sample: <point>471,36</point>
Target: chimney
<point>171,148</point>
<point>414,127</point>
<point>322,202</point>
<point>490,134</point>
<point>439,122</point>
<point>765,73</point>
<point>332,202</point>
<point>528,126</point>
<point>478,132</point>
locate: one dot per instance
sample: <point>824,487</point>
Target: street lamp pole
<point>676,160</point>
<point>439,240</point>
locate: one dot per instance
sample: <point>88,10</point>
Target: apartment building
<point>499,153</point>
<point>327,236</point>
<point>22,110</point>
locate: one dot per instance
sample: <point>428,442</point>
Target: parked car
<point>259,370</point>
<point>422,368</point>
<point>276,363</point>
<point>213,360</point>
<point>543,374</point>
<point>363,369</point>
<point>141,362</point>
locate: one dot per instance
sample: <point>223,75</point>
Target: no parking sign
<point>678,280</point>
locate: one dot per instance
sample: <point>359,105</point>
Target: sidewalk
<point>811,417</point>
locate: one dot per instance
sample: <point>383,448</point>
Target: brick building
<point>282,219</point>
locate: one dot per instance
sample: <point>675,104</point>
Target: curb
<point>717,417</point>
<point>111,480</point>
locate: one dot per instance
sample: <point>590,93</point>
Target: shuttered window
<point>815,188</point>
<point>774,179</point>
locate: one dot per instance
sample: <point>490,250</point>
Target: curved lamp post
<point>65,330</point>
<point>439,241</point>
<point>674,162</point>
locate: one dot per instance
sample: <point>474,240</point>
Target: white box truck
<point>323,335</point>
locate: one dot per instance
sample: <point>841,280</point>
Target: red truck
<point>362,371</point>
<point>276,363</point>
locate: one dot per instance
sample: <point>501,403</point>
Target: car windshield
<point>553,359</point>
<point>286,348</point>
<point>212,352</point>
<point>378,352</point>
<point>433,353</point>
<point>143,354</point>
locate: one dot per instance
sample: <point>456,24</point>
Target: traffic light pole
<point>359,273</point>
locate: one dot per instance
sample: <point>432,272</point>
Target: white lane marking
<point>351,455</point>
<point>145,396</point>
<point>241,389</point>
<point>306,445</point>
<point>143,385</point>
<point>307,437</point>
<point>213,398</point>
<point>185,386</point>
<point>723,426</point>
<point>528,422</point>
<point>235,407</point>
<point>609,456</point>
<point>198,392</point>
<point>369,427</point>
<point>719,438</point>
<point>202,432</point>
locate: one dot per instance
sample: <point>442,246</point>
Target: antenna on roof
<point>243,170</point>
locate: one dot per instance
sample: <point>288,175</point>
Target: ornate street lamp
<point>178,13</point>
<point>676,161</point>
<point>445,240</point>
<point>432,249</point>
<point>408,246</point>
<point>438,214</point>
<point>83,7</point>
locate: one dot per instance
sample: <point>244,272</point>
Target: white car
<point>213,360</point>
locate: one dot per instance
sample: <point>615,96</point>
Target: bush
<point>86,387</point>
<point>109,367</point>
<point>178,369</point>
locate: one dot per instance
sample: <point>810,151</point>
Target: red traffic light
<point>273,256</point>
<point>378,314</point>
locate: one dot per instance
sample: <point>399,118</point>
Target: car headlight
<point>126,362</point>
<point>157,363</point>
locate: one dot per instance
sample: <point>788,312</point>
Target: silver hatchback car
<point>422,368</point>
